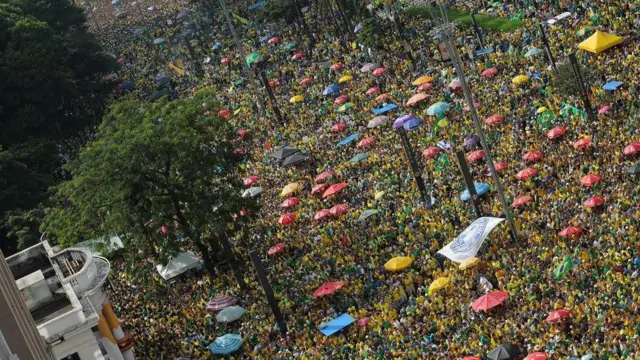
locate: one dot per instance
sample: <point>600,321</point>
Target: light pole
<point>547,49</point>
<point>263,77</point>
<point>447,32</point>
<point>413,163</point>
<point>583,88</point>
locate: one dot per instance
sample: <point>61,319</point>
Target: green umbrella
<point>253,57</point>
<point>345,107</point>
<point>367,213</point>
<point>359,158</point>
<point>239,82</point>
<point>563,268</point>
<point>290,46</point>
<point>159,41</point>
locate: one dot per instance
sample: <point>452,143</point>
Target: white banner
<point>468,243</point>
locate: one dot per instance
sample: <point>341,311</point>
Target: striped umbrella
<point>230,314</point>
<point>221,302</point>
<point>226,344</point>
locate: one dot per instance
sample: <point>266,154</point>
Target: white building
<point>66,294</point>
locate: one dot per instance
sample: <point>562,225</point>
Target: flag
<point>568,110</point>
<point>563,268</point>
<point>545,118</point>
<point>444,145</point>
<point>468,243</point>
<point>442,162</point>
<point>240,19</point>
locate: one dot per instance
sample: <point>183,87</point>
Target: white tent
<point>178,264</point>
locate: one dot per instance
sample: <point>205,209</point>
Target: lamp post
<point>547,49</point>
<point>265,82</point>
<point>268,291</point>
<point>413,163</point>
<point>583,87</point>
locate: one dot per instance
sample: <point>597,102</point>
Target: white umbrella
<point>252,192</point>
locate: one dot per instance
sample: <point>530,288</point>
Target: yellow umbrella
<point>439,283</point>
<point>520,79</point>
<point>379,195</point>
<point>541,110</point>
<point>296,99</point>
<point>345,79</point>
<point>290,189</point>
<point>469,263</point>
<point>421,80</point>
<point>398,263</point>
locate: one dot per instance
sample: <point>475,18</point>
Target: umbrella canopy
<point>416,98</point>
<point>230,314</point>
<point>532,156</point>
<point>558,315</point>
<point>359,158</point>
<point>425,86</point>
<point>475,156</point>
<point>340,100</point>
<point>291,46</point>
<point>296,99</point>
<point>306,81</point>
<point>401,120</point>
<point>338,128</point>
<point>273,40</point>
<point>431,152</point>
<point>221,302</point>
<point>372,91</point>
<point>225,60</point>
<point>469,263</point>
<point>504,352</point>
<point>287,219</point>
<point>364,321</point>
<point>321,214</point>
<point>318,188</point>
<point>333,189</point>
<point>422,80</point>
<point>367,213</point>
<point>345,107</point>
<point>489,72</point>
<point>494,119</point>
<point>289,203</point>
<point>590,180</point>
<point>533,52</point>
<point>345,79</point>
<point>297,56</point>
<point>471,142</point>
<point>379,195</point>
<point>324,176</point>
<point>599,42</point>
<point>380,71</point>
<point>455,85</point>
<point>471,358</point>
<point>519,201</point>
<point>331,89</point>
<point>290,189</point>
<point>632,148</point>
<point>398,263</point>
<point>520,79</point>
<point>481,189</point>
<point>383,97</point>
<point>226,344</point>
<point>276,249</point>
<point>328,288</point>
<point>570,231</point>
<point>252,58</point>
<point>612,85</point>
<point>283,153</point>
<point>634,169</point>
<point>366,142</point>
<point>250,180</point>
<point>412,123</point>
<point>368,67</point>
<point>556,132</point>
<point>526,173</point>
<point>159,41</point>
<point>439,283</point>
<point>536,356</point>
<point>252,192</point>
<point>378,120</point>
<point>582,143</point>
<point>437,108</point>
<point>499,166</point>
<point>594,202</point>
<point>339,209</point>
<point>295,158</point>
<point>348,139</point>
<point>224,113</point>
<point>337,66</point>
<point>490,300</point>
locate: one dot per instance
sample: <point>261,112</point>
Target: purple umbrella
<point>471,142</point>
<point>400,121</point>
<point>221,302</point>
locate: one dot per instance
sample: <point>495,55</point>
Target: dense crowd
<point>406,320</point>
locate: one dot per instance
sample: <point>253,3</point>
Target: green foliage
<point>152,165</point>
<point>370,34</point>
<point>488,23</point>
<point>565,81</point>
<point>277,10</point>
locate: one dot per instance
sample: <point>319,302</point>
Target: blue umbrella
<point>256,5</point>
<point>481,189</point>
<point>331,90</point>
<point>612,85</point>
<point>349,139</point>
<point>412,123</point>
<point>437,108</point>
<point>226,344</point>
<point>533,52</point>
<point>230,314</point>
<point>115,2</point>
<point>217,46</point>
<point>385,108</point>
<point>401,120</point>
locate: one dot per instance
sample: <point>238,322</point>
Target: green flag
<point>442,162</point>
<point>545,118</point>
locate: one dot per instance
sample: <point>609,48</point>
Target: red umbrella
<point>526,173</point>
<point>522,200</point>
<point>225,60</point>
<point>475,155</point>
<point>321,214</point>
<point>379,71</point>
<point>490,300</point>
<point>431,152</point>
<point>337,66</point>
<point>244,212</point>
<point>632,148</point>
<point>273,83</point>
<point>556,132</point>
<point>250,181</point>
<point>290,202</point>
<point>536,356</point>
<point>594,202</point>
<point>339,209</point>
<point>494,119</point>
<point>297,56</point>
<point>489,72</point>
<point>383,97</point>
<point>582,143</point>
<point>224,113</point>
<point>318,188</point>
<point>273,40</point>
<point>276,249</point>
<point>287,219</point>
<point>590,180</point>
<point>425,86</point>
<point>334,189</point>
<point>240,151</point>
<point>532,156</point>
<point>366,142</point>
<point>328,288</point>
<point>305,81</point>
<point>364,321</point>
<point>164,229</point>
<point>341,100</point>
<point>467,108</point>
<point>570,231</point>
<point>338,128</point>
<point>324,176</point>
<point>499,166</point>
<point>374,90</point>
<point>456,86</point>
<point>471,358</point>
<point>558,315</point>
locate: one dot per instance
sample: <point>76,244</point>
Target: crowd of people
<point>406,320</point>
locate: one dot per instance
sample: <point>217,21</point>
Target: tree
<point>566,81</point>
<point>370,34</point>
<point>162,173</point>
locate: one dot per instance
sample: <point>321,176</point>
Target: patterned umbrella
<point>339,209</point>
<point>221,302</point>
<point>226,344</point>
<point>532,156</point>
<point>328,288</point>
<point>526,173</point>
<point>230,314</point>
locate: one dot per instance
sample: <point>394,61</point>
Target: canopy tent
<point>599,42</point>
<point>283,153</point>
<point>337,324</point>
<point>178,265</point>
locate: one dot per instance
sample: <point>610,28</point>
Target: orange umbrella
<point>250,181</point>
<point>526,173</point>
<point>494,119</point>
<point>276,249</point>
<point>287,219</point>
<point>590,180</point>
<point>374,90</point>
<point>324,176</point>
<point>475,155</point>
<point>366,142</point>
<point>334,189</point>
<point>532,156</point>
<point>522,200</point>
<point>582,143</point>
<point>431,152</point>
<point>290,202</point>
<point>490,300</point>
<point>594,202</point>
<point>416,99</point>
<point>339,209</point>
<point>570,231</point>
<point>318,188</point>
<point>328,288</point>
<point>556,132</point>
<point>558,315</point>
<point>632,148</point>
<point>321,214</point>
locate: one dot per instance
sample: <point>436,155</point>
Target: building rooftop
<point>51,310</point>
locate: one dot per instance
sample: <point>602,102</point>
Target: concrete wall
<point>84,343</point>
